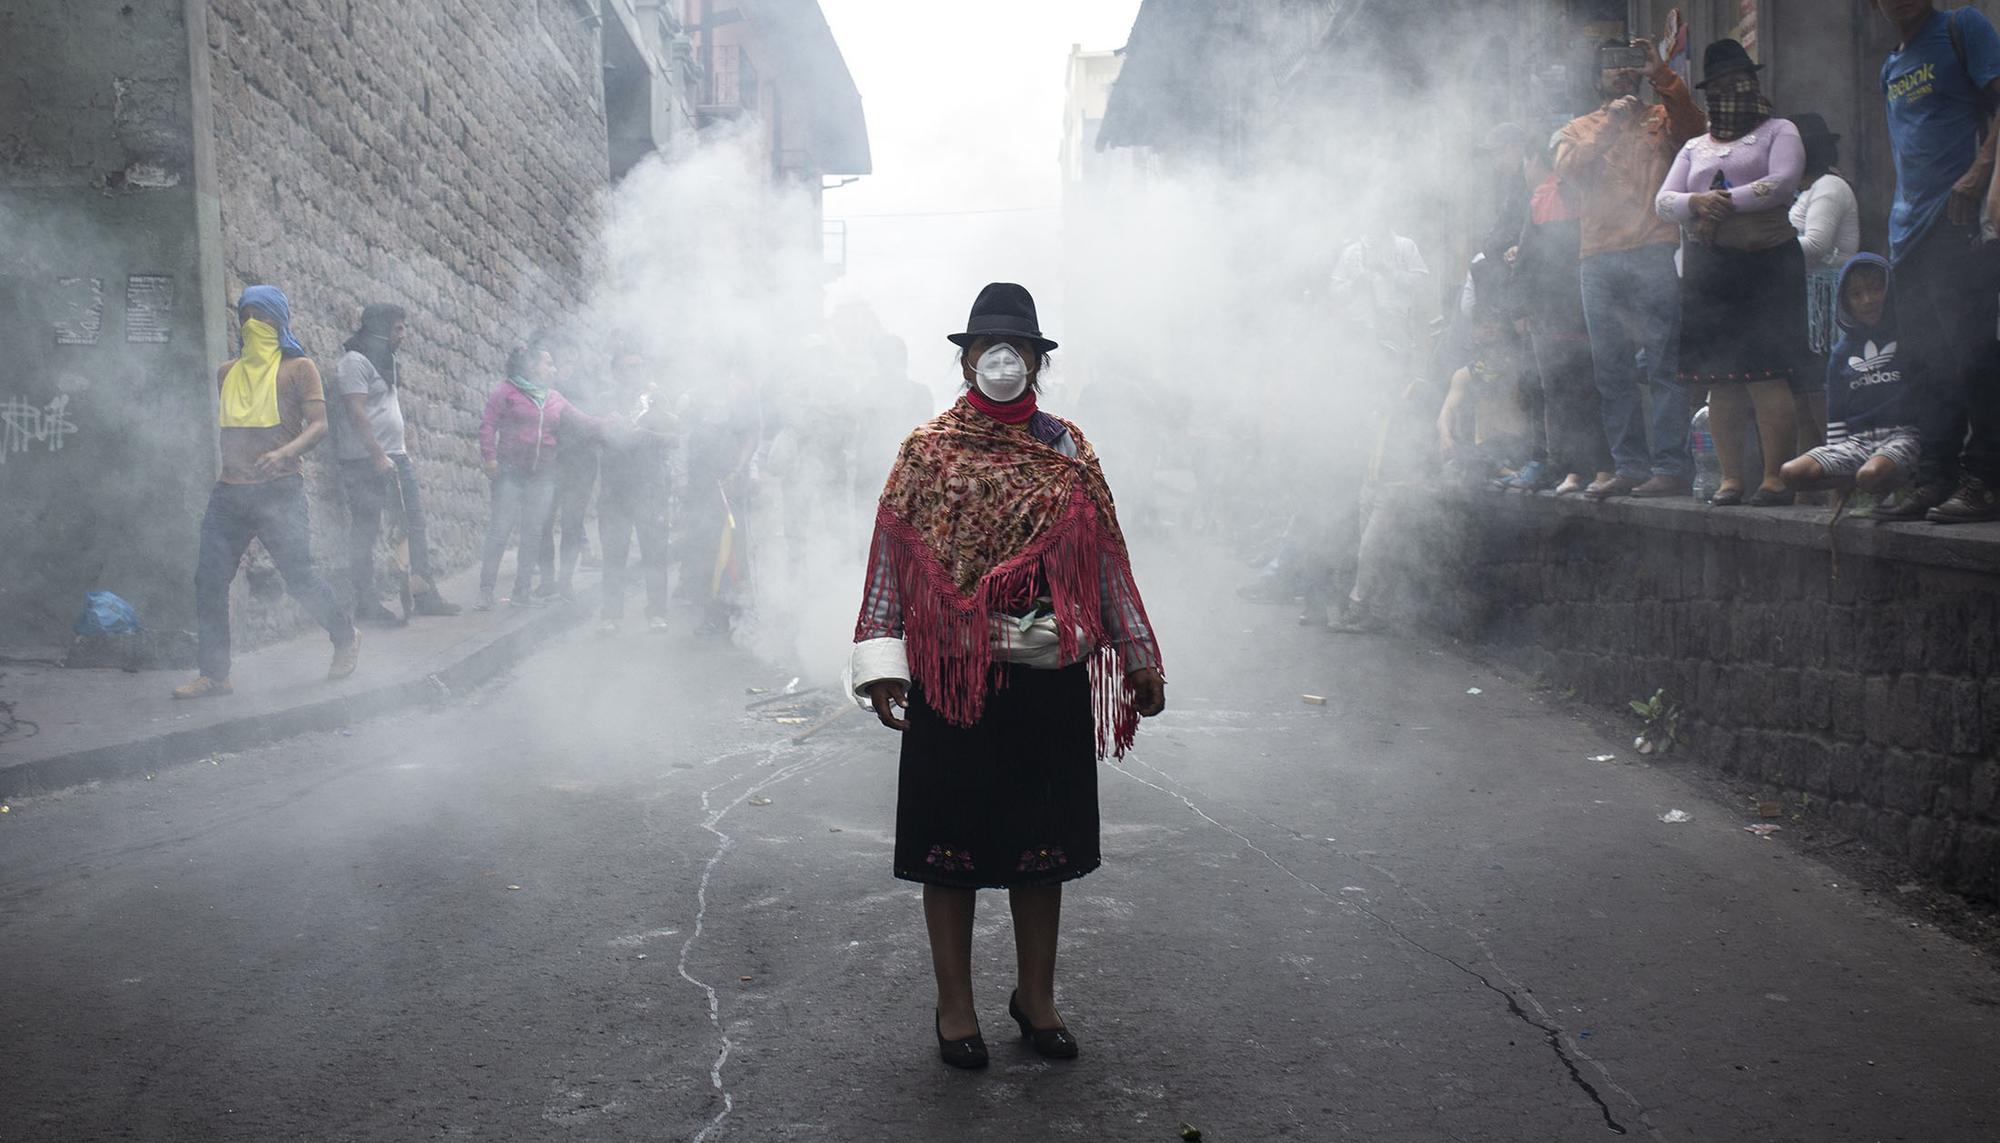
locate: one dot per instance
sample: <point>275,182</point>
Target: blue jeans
<point>576,478</point>
<point>1632,304</point>
<point>274,512</point>
<point>522,501</point>
<point>368,493</point>
<point>1575,425</point>
<point>621,514</point>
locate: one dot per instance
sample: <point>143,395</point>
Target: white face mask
<point>1001,374</point>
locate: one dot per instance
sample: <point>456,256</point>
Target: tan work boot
<point>344,660</point>
<point>1974,502</point>
<point>204,687</point>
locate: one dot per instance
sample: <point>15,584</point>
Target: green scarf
<point>533,392</point>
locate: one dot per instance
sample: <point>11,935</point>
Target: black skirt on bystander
<point>1743,314</point>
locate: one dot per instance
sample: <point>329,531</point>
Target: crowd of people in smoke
<point>1672,301</point>
<point>669,468</point>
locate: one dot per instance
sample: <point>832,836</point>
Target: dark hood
<point>372,339</point>
<point>1889,297</point>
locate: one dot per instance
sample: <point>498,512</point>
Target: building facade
<point>155,158</point>
<point>1095,181</point>
<point>1822,57</point>
<point>1234,81</point>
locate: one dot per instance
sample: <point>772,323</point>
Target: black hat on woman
<point>1725,57</point>
<point>1003,309</point>
<point>1813,128</point>
<point>1822,142</point>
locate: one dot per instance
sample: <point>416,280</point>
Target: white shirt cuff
<point>872,661</point>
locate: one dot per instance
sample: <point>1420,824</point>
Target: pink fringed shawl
<point>974,513</point>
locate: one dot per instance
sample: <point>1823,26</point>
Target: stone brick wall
<point>1862,684</point>
<point>447,155</point>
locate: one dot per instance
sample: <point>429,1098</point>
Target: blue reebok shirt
<point>1934,117</point>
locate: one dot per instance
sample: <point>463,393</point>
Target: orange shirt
<point>1617,167</point>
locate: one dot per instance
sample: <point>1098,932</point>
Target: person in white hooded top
<point>1828,220</point>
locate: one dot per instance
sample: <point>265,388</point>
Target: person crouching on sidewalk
<point>1872,442</point>
<point>368,440</point>
<point>273,412</point>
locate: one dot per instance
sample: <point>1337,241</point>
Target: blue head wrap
<point>272,301</point>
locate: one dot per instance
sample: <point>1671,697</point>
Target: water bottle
<point>1707,468</point>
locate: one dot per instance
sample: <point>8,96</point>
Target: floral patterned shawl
<point>978,515</point>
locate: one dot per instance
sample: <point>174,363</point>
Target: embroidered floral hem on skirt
<point>1010,801</point>
<point>1743,315</point>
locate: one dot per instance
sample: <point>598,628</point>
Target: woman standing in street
<point>1001,617</point>
<point>1743,284</point>
<point>517,444</point>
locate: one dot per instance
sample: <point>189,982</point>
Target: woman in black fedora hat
<point>1742,272</point>
<point>1828,220</point>
<point>1001,619</point>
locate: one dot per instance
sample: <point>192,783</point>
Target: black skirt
<point>1010,801</point>
<point>1743,314</point>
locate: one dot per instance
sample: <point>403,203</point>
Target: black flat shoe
<point>1055,1043</point>
<point>969,1053</point>
<point>1727,498</point>
<point>1765,498</point>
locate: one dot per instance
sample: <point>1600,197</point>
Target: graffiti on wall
<point>30,424</point>
<point>27,425</point>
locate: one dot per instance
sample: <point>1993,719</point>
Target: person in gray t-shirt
<point>368,442</point>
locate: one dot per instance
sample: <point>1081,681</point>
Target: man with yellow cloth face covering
<point>273,411</point>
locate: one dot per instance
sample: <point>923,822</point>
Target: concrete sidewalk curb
<point>504,651</point>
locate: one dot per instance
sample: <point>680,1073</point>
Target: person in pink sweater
<point>1743,276</point>
<point>517,446</point>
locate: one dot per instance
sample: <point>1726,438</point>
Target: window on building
<point>628,98</point>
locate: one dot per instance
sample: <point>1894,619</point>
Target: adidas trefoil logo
<point>1871,358</point>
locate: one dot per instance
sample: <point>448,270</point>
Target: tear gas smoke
<point>1236,393</point>
<point>715,275</point>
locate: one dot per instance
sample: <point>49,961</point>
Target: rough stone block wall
<point>446,155</point>
<point>1863,685</point>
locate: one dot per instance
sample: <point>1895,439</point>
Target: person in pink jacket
<point>517,444</point>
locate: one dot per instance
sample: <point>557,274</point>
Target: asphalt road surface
<point>605,901</point>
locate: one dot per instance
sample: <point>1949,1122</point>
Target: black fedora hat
<point>1725,57</point>
<point>1812,126</point>
<point>1003,309</point>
